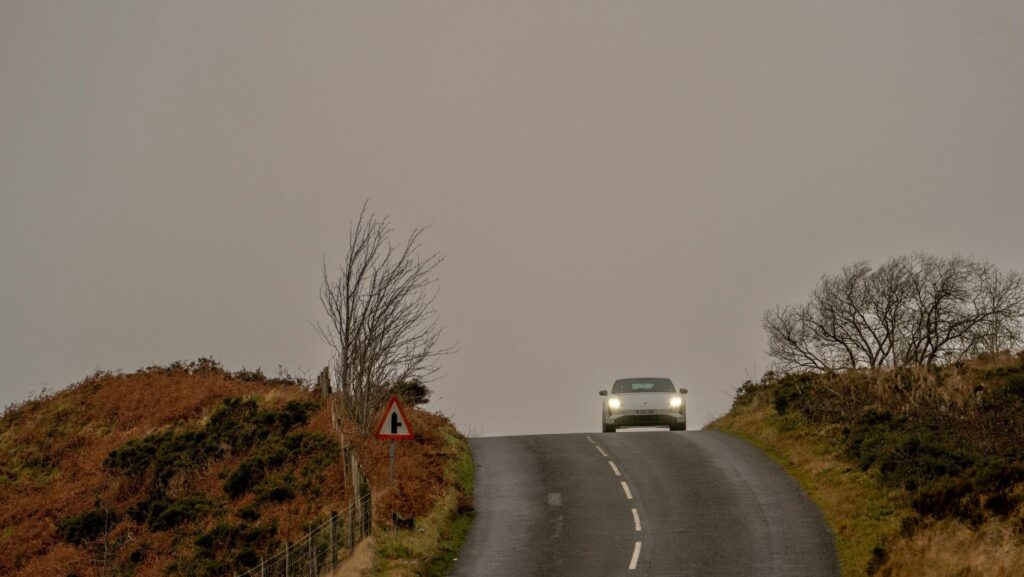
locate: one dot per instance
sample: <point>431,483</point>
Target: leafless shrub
<point>382,325</point>
<point>911,310</point>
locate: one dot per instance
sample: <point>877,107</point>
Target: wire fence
<point>323,547</point>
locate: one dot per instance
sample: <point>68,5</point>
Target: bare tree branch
<point>383,326</point>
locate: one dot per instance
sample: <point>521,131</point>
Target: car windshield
<point>643,386</point>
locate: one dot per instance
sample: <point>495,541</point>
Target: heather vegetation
<point>191,470</point>
<point>951,438</point>
<point>180,470</point>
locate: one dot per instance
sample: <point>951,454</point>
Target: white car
<point>643,403</point>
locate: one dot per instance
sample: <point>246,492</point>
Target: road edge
<point>862,515</point>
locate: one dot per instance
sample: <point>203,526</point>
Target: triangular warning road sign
<point>393,423</point>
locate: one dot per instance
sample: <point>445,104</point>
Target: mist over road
<point>700,504</point>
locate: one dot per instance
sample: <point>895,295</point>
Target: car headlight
<point>675,402</point>
<point>614,403</point>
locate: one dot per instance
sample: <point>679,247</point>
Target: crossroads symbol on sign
<point>393,423</point>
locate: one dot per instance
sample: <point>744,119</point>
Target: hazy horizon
<point>620,188</point>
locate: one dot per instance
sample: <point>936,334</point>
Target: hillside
<point>919,471</point>
<point>185,470</point>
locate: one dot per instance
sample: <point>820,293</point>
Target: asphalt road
<point>694,504</point>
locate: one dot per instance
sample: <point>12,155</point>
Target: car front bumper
<point>631,419</point>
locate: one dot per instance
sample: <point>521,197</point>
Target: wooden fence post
<point>324,382</point>
<point>351,525</point>
<point>334,549</point>
<point>316,555</point>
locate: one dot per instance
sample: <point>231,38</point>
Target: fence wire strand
<point>322,548</point>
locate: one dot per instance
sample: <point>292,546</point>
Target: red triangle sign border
<point>394,402</point>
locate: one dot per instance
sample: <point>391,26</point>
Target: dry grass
<point>953,549</point>
<point>979,402</point>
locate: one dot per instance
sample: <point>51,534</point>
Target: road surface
<point>652,503</point>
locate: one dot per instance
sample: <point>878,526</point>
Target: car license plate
<point>645,411</point>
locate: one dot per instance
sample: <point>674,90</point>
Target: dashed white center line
<point>629,496</point>
<point>636,556</point>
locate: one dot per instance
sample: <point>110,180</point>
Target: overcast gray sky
<point>621,187</point>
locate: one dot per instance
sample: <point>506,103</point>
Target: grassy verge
<point>863,514</point>
<point>430,549</point>
<point>918,470</point>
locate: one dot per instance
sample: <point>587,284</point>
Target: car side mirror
<point>683,391</point>
<point>603,393</point>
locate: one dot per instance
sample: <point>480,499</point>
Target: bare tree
<point>917,309</point>
<point>383,326</point>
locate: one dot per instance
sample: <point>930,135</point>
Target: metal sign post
<point>391,461</point>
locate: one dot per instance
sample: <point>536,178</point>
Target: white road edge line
<point>636,519</point>
<point>592,441</point>
<point>636,556</point>
<point>600,450</point>
<point>615,469</point>
<point>625,489</point>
